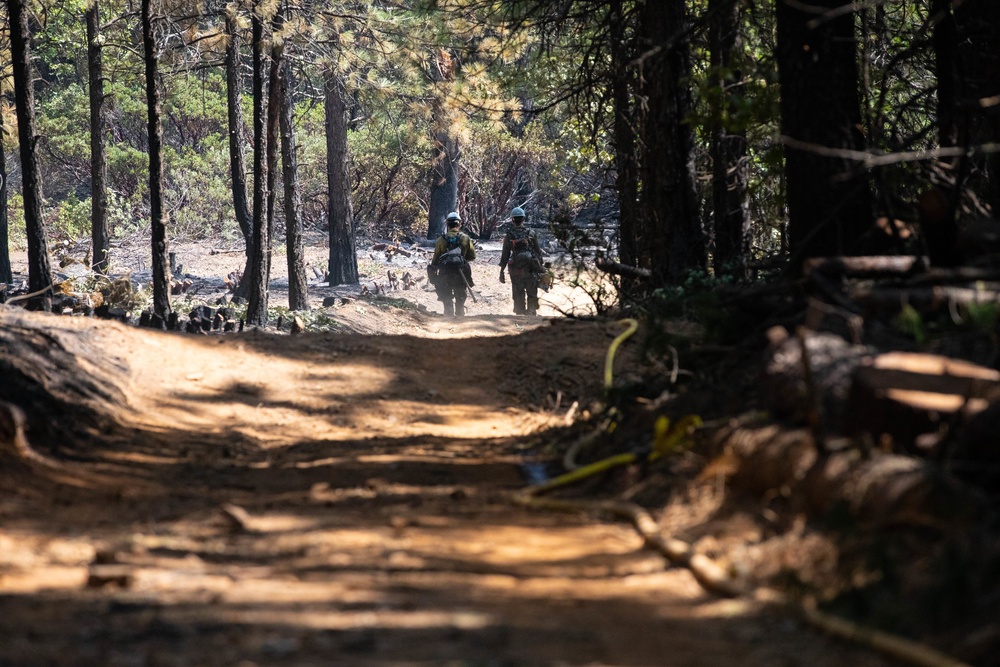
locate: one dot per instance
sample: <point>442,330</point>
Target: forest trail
<point>344,499</point>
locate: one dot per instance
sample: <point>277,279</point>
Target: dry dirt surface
<point>344,498</point>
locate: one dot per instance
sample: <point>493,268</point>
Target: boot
<point>459,309</point>
<point>449,309</point>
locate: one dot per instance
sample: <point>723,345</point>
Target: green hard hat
<point>518,212</point>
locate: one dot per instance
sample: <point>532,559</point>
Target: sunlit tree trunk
<point>728,146</point>
<point>829,199</point>
<point>39,270</point>
<point>158,220</point>
<point>669,205</point>
<point>343,251</point>
<point>261,254</point>
<point>98,162</point>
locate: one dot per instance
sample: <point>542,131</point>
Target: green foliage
<point>910,322</point>
<point>981,317</point>
<point>699,298</point>
<point>69,218</point>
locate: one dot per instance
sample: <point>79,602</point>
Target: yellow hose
<point>609,361</point>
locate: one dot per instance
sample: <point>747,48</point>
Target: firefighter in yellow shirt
<point>452,254</point>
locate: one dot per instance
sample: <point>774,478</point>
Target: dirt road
<point>344,499</point>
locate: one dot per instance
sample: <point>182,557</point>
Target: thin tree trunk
<point>298,288</point>
<point>728,147</point>
<point>39,269</point>
<point>273,113</point>
<point>237,156</point>
<point>672,227</point>
<point>343,251</point>
<point>98,163</point>
<point>158,220</point>
<point>626,158</point>
<point>261,256</point>
<point>6,271</point>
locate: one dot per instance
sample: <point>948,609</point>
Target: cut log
<point>878,491</point>
<point>898,397</point>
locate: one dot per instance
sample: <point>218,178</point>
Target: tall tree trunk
<point>273,112</point>
<point>669,204</point>
<point>343,251</point>
<point>728,145</point>
<point>261,255</point>
<point>158,220</point>
<point>945,40</point>
<point>444,182</point>
<point>39,269</point>
<point>298,288</point>
<point>6,270</point>
<point>626,158</point>
<point>444,161</point>
<point>237,157</point>
<point>98,163</point>
<point>829,200</point>
<point>978,23</point>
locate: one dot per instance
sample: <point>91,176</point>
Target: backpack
<point>452,257</point>
<point>522,255</point>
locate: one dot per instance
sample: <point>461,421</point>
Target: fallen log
<point>63,372</point>
<point>927,299</point>
<point>619,269</point>
<point>876,266</point>
<point>880,490</point>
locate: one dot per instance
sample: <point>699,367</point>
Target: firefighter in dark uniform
<point>523,256</point>
<point>452,254</point>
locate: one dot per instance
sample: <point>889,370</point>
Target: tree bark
<point>978,24</point>
<point>671,227</point>
<point>237,156</point>
<point>6,270</point>
<point>945,40</point>
<point>100,242</point>
<point>444,161</point>
<point>728,146</point>
<point>261,255</point>
<point>273,112</point>
<point>39,269</point>
<point>343,251</point>
<point>444,183</point>
<point>298,288</point>
<point>829,199</point>
<point>158,219</point>
<point>626,159</point>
